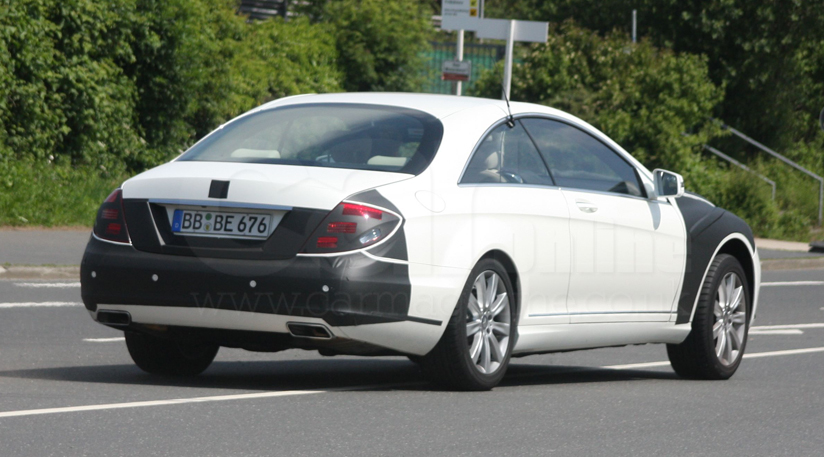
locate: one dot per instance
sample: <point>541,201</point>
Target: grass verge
<point>48,195</point>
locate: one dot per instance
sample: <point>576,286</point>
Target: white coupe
<point>457,231</point>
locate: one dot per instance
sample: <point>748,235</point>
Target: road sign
<point>456,70</point>
<point>451,9</point>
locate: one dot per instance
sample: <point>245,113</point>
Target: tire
<point>703,355</point>
<point>169,357</point>
<point>466,358</point>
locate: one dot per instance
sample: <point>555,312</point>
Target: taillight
<point>110,224</point>
<point>351,226</point>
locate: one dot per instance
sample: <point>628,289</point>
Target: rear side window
<point>507,155</point>
<point>363,137</point>
<point>577,160</point>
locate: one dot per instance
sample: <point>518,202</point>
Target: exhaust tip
<point>114,318</point>
<point>315,331</point>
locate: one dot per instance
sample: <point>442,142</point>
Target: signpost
<point>457,15</point>
<point>456,70</point>
<point>452,9</point>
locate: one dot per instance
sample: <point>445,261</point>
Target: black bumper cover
<point>360,290</point>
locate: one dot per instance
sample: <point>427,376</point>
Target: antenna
<point>511,121</point>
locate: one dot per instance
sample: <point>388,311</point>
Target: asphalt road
<point>42,247</point>
<point>299,403</point>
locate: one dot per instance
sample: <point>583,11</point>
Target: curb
<point>792,264</point>
<point>12,272</point>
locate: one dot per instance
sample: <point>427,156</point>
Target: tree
<point>642,97</point>
<point>380,44</point>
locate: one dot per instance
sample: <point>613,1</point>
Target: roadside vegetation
<point>92,92</point>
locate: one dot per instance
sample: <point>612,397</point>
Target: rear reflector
<point>328,242</point>
<point>110,214</point>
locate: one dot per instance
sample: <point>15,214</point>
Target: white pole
<point>508,60</point>
<point>459,58</point>
<point>634,24</point>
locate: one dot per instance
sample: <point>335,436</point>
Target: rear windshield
<point>361,137</point>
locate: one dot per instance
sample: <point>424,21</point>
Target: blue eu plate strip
<point>178,219</point>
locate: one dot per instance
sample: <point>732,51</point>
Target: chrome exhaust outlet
<point>114,318</point>
<point>314,331</point>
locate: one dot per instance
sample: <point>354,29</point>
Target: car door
<point>516,205</point>
<point>627,250</point>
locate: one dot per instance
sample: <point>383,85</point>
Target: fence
<point>482,56</point>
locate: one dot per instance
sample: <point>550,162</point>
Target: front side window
<point>507,155</point>
<point>577,160</point>
<point>362,137</point>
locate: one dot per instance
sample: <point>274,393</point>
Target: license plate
<point>218,223</point>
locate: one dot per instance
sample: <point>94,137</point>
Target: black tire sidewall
<point>726,264</point>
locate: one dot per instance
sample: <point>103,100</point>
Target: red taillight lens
<point>111,223</point>
<point>342,227</point>
<point>350,209</point>
<point>355,226</point>
<point>327,242</point>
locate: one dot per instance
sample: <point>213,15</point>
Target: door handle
<point>586,206</point>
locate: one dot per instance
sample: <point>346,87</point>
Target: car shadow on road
<point>326,374</point>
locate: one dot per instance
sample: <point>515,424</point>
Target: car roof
<point>437,105</point>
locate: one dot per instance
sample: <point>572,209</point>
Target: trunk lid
<point>256,184</point>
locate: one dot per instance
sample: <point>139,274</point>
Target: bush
<point>127,84</point>
<point>64,94</point>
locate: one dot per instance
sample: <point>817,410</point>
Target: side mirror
<point>667,183</point>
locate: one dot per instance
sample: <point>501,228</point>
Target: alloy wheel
<point>488,322</point>
<point>729,329</point>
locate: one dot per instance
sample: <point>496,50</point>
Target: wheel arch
<point>738,246</point>
<point>738,249</point>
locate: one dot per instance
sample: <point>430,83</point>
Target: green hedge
<point>126,84</point>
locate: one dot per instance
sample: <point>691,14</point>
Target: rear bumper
<point>342,291</point>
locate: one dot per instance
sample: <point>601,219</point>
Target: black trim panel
<point>707,226</point>
<point>219,189</point>
<point>147,221</point>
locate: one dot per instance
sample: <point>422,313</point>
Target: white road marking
<point>755,355</point>
<point>758,355</point>
<point>104,340</point>
<point>141,404</point>
<point>792,283</point>
<point>46,304</point>
<point>791,331</point>
<point>48,285</point>
<point>787,327</point>
<point>631,366</point>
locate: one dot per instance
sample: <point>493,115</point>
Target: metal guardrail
<point>263,9</point>
<point>786,161</point>
<point>742,166</point>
